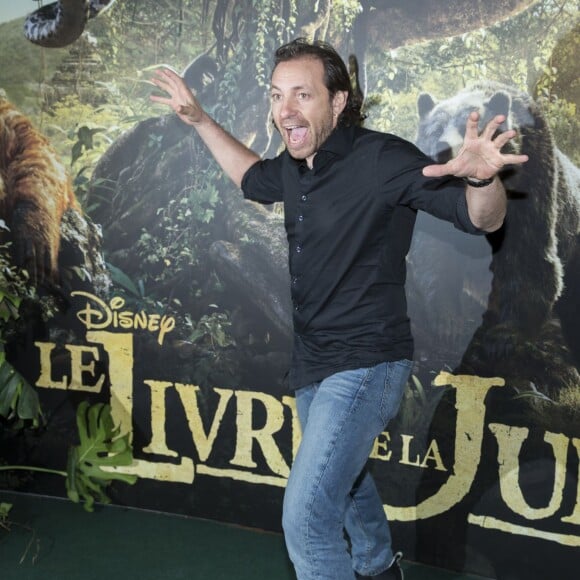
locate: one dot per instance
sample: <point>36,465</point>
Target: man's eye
<point>302,96</point>
<point>275,97</point>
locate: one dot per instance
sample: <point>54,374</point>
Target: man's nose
<point>287,108</point>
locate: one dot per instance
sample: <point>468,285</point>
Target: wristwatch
<point>472,182</point>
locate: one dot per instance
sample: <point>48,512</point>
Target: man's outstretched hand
<point>480,156</point>
<point>181,99</point>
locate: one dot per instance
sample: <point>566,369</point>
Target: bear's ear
<point>500,104</point>
<point>425,104</point>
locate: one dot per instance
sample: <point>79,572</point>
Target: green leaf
<point>17,397</point>
<point>28,404</point>
<point>100,446</point>
<point>119,277</point>
<point>5,509</point>
<point>9,305</point>
<point>7,389</point>
<point>77,151</point>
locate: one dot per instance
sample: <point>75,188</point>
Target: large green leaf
<point>119,277</point>
<point>9,305</point>
<point>17,397</point>
<point>100,446</point>
<point>4,511</point>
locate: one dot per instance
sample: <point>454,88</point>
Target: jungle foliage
<point>242,36</point>
<point>167,268</point>
<point>91,464</point>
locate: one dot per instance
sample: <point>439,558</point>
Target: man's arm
<point>232,155</point>
<point>487,205</point>
<point>480,159</point>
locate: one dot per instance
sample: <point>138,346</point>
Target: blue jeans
<point>329,489</point>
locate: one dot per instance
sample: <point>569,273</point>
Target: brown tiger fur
<point>35,190</point>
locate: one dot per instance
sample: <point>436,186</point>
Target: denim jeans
<point>329,490</point>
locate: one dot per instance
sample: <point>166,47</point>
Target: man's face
<point>302,108</point>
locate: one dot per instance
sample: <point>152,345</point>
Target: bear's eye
<point>435,131</point>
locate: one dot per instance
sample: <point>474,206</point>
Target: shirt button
<point>304,197</point>
<point>300,218</point>
<point>298,249</point>
<point>294,280</point>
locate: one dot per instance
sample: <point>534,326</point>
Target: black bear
<point>535,262</point>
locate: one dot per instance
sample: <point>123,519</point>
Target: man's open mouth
<point>296,134</point>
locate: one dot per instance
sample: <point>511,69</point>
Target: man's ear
<point>339,102</point>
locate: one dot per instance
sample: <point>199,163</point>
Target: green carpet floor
<point>53,539</point>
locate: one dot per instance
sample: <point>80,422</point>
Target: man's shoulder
<point>371,140</point>
<point>366,135</point>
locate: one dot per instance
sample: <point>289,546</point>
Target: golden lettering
<point>77,368</point>
<point>154,322</point>
<point>382,452</point>
<point>574,517</point>
<point>158,443</point>
<point>434,455</point>
<point>240,475</point>
<point>140,320</point>
<point>119,346</point>
<point>120,349</point>
<point>510,440</point>
<point>203,443</point>
<point>182,472</point>
<point>116,302</point>
<point>405,459</point>
<point>470,393</point>
<point>263,436</point>
<point>45,379</point>
<point>491,523</point>
<point>125,320</point>
<point>96,314</point>
<point>166,325</point>
<point>381,449</point>
<point>290,402</point>
<point>91,317</point>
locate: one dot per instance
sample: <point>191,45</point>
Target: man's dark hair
<point>336,77</point>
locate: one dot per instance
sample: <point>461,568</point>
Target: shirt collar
<point>339,141</point>
<point>338,144</point>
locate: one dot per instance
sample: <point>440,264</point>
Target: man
<point>350,200</point>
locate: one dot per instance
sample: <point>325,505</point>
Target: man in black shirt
<point>350,200</point>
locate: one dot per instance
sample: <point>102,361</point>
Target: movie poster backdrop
<point>144,302</point>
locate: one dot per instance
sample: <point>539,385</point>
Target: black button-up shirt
<point>349,223</point>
